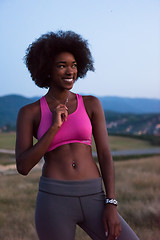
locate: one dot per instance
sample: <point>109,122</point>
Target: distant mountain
<point>130,105</point>
<point>10,105</point>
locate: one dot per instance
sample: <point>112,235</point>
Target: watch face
<point>111,201</point>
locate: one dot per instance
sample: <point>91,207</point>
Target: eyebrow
<point>65,62</point>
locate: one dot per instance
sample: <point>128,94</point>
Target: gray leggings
<point>63,204</point>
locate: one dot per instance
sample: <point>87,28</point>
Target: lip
<point>68,79</point>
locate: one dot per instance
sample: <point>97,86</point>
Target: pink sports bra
<point>77,128</point>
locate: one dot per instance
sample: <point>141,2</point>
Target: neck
<point>60,96</point>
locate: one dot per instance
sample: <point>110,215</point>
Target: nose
<point>69,71</point>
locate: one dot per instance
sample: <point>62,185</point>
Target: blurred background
<point>123,35</point>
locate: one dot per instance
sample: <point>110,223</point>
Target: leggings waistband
<point>69,187</point>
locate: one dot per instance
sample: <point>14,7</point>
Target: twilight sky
<point>124,37</point>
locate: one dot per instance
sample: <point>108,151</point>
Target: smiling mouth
<point>68,79</point>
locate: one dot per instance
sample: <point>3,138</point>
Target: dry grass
<point>17,207</point>
<point>125,143</point>
<point>6,159</point>
<point>137,184</point>
<point>7,140</point>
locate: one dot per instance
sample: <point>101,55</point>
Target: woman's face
<point>64,71</point>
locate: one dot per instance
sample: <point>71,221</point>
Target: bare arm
<point>110,218</point>
<point>102,145</point>
<point>27,154</point>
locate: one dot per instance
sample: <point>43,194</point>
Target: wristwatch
<point>111,201</point>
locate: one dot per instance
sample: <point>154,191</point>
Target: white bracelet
<point>111,201</point>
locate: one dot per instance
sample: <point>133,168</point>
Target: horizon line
<point>99,96</point>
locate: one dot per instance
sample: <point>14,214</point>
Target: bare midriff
<point>59,163</point>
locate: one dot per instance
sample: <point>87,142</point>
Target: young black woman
<point>70,188</point>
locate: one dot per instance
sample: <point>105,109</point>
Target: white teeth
<point>68,79</point>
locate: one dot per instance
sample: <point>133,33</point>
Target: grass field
<point>6,159</point>
<point>7,141</point>
<point>138,193</point>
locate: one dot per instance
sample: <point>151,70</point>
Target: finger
<point>61,109</point>
<point>114,232</point>
<point>62,106</point>
<point>106,233</point>
<point>111,233</point>
<point>64,115</point>
<point>117,230</point>
<point>60,115</point>
<point>105,227</point>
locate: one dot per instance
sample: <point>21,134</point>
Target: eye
<point>61,66</point>
<point>74,65</point>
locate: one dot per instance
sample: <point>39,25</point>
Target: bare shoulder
<point>30,110</point>
<point>92,104</point>
<point>90,100</point>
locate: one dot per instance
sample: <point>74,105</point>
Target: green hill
<point>133,124</point>
<point>9,107</point>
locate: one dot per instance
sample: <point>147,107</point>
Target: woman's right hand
<point>60,114</point>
